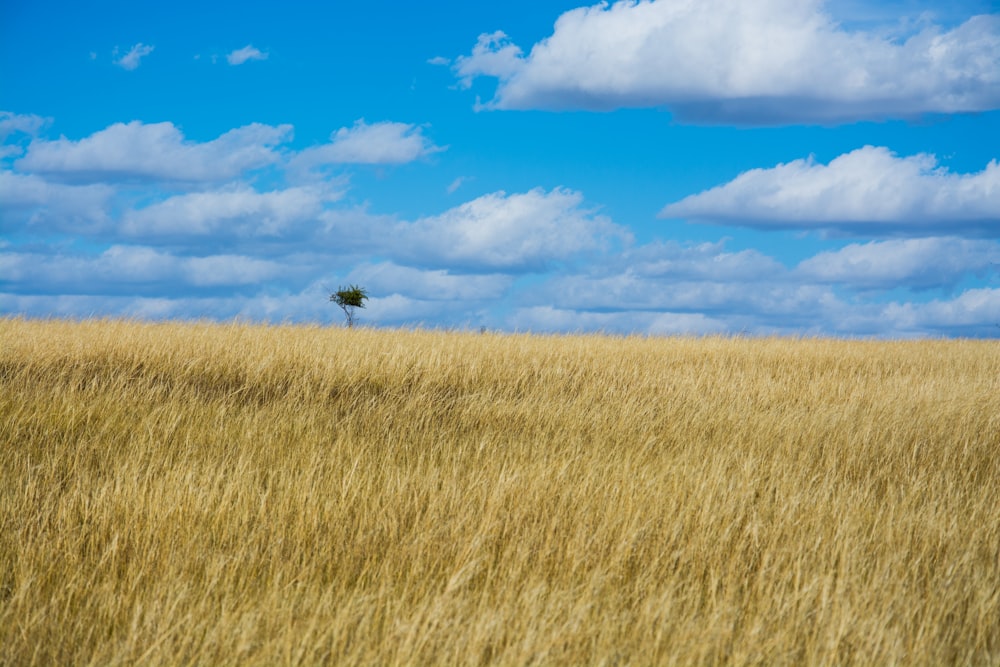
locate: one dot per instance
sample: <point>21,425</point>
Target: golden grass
<point>235,494</point>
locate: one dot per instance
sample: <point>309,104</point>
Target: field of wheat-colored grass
<point>221,494</point>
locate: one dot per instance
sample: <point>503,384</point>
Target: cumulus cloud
<point>975,312</point>
<point>914,263</point>
<point>14,123</point>
<point>777,300</point>
<point>839,292</point>
<point>379,143</point>
<point>429,285</point>
<point>495,233</point>
<point>17,127</point>
<point>124,268</point>
<point>517,232</point>
<point>630,304</point>
<point>31,202</point>
<point>494,55</point>
<point>667,287</point>
<point>232,212</point>
<point>762,62</point>
<point>157,151</point>
<point>492,234</point>
<point>869,190</point>
<point>702,261</point>
<point>131,60</point>
<point>248,52</point>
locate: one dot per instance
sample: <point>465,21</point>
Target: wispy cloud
<point>248,52</point>
<point>132,59</point>
<point>692,57</point>
<point>456,184</point>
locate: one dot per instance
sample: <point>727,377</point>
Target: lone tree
<point>348,299</point>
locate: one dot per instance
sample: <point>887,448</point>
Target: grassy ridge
<point>233,494</point>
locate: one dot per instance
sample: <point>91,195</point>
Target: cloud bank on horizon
<point>884,232</point>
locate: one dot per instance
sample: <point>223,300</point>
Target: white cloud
<point>124,268</point>
<point>494,55</point>
<point>549,319</point>
<point>703,261</point>
<point>396,309</point>
<point>761,62</point>
<point>136,150</point>
<point>777,299</point>
<point>686,323</point>
<point>307,305</point>
<point>379,143</point>
<point>17,127</point>
<point>31,202</point>
<point>869,190</point>
<point>233,212</point>
<point>913,263</point>
<point>216,270</point>
<point>902,18</point>
<point>833,293</point>
<point>130,60</point>
<point>513,232</point>
<point>429,285</point>
<point>456,184</point>
<point>14,123</point>
<point>493,234</point>
<point>248,52</point>
<point>260,307</point>
<point>626,304</point>
<point>975,312</point>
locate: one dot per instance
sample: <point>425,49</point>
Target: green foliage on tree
<point>349,298</point>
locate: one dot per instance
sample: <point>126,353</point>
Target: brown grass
<point>235,494</point>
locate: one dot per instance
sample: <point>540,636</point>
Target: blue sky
<point>790,167</point>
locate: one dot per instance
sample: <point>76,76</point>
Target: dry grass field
<point>209,494</point>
